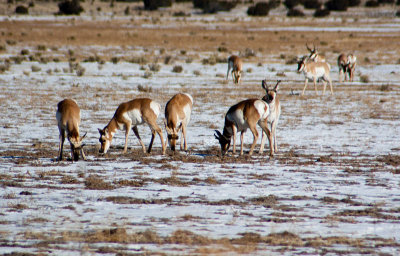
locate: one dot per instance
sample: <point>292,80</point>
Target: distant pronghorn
<point>68,117</point>
<point>177,116</point>
<point>314,55</point>
<point>236,64</point>
<point>128,116</point>
<point>315,70</point>
<point>346,64</point>
<point>241,116</point>
<point>274,113</point>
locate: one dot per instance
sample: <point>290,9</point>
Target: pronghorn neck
<point>227,134</point>
<point>112,127</point>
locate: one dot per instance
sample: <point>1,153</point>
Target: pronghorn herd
<point>246,114</point>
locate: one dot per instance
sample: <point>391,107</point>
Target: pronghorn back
<point>178,108</point>
<point>69,116</point>
<point>137,110</point>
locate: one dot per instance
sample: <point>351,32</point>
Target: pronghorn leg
<point>183,138</point>
<point>305,86</point>
<point>136,132</point>
<point>273,129</point>
<point>229,67</point>
<point>234,129</point>
<point>241,142</point>
<point>340,75</point>
<point>264,127</point>
<point>324,83</point>
<point>255,136</point>
<point>263,138</point>
<point>61,144</point>
<point>127,131</point>
<point>315,85</point>
<point>153,134</point>
<point>159,131</point>
<point>233,76</point>
<point>330,85</point>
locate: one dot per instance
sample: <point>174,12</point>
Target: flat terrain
<point>333,187</point>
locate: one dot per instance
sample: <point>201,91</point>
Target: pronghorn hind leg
<point>263,138</point>
<point>61,144</point>
<point>264,127</point>
<point>153,134</point>
<point>315,86</point>
<point>241,142</point>
<point>255,136</point>
<point>127,131</point>
<point>136,132</point>
<point>183,139</point>
<point>234,129</point>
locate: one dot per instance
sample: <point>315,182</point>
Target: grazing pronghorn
<point>243,115</point>
<point>314,55</point>
<point>177,116</point>
<point>274,113</point>
<point>68,117</point>
<point>128,116</point>
<point>236,64</point>
<point>315,70</point>
<point>346,64</point>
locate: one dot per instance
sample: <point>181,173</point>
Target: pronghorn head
<point>223,141</point>
<point>313,52</point>
<point>76,145</point>
<point>172,135</point>
<point>270,93</point>
<point>238,76</point>
<point>105,140</point>
<point>301,64</point>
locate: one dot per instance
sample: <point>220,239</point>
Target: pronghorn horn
<point>308,48</point>
<point>218,135</point>
<point>277,83</point>
<point>84,135</point>
<point>264,84</point>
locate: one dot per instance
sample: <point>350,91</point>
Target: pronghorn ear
<point>218,135</point>
<point>84,135</point>
<point>100,130</point>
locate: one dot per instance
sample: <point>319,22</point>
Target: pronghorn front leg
<point>305,86</point>
<point>273,128</point>
<point>183,144</point>
<point>136,132</point>
<point>234,129</point>
<point>264,127</point>
<point>127,130</point>
<point>315,85</point>
<point>241,142</point>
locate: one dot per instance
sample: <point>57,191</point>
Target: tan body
<point>241,116</point>
<point>68,117</point>
<point>314,71</point>
<point>235,64</point>
<point>128,116</point>
<point>346,64</point>
<point>272,99</point>
<point>177,116</point>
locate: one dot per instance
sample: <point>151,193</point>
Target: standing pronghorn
<point>68,117</point>
<point>314,55</point>
<point>274,113</point>
<point>177,116</point>
<point>236,64</point>
<point>128,116</point>
<point>315,70</point>
<point>243,115</point>
<point>346,64</point>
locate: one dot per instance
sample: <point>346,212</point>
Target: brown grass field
<point>335,179</point>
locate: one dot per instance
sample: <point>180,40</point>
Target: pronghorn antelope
<point>314,55</point>
<point>68,117</point>
<point>128,116</point>
<point>274,113</point>
<point>315,70</point>
<point>346,64</point>
<point>177,116</point>
<point>236,64</point>
<point>243,115</point>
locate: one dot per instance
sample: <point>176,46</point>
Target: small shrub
<point>196,73</point>
<point>364,79</point>
<point>213,6</point>
<point>321,13</point>
<point>152,5</point>
<point>290,4</point>
<point>80,71</point>
<point>20,9</point>
<point>154,67</point>
<point>24,52</point>
<point>35,68</point>
<point>337,5</point>
<point>70,7</point>
<point>371,3</point>
<point>147,74</point>
<point>222,49</point>
<point>398,13</point>
<point>260,9</point>
<point>353,3</point>
<point>142,88</point>
<point>312,4</point>
<point>115,60</point>
<point>177,69</point>
<point>295,13</point>
<point>386,1</point>
<point>274,4</point>
<point>249,53</point>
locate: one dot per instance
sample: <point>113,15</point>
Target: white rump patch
<point>156,107</point>
<point>262,109</point>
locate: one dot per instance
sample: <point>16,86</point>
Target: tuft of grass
<point>95,182</point>
<point>364,78</point>
<point>177,69</point>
